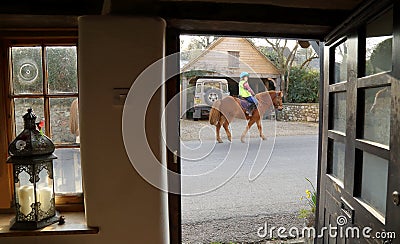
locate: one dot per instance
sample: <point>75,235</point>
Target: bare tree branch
<point>308,60</point>
<point>284,63</point>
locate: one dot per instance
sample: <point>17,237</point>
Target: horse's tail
<point>215,114</point>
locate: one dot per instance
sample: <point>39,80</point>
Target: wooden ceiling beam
<point>51,7</point>
<point>239,12</point>
<point>317,4</point>
<point>14,21</point>
<point>222,17</point>
<point>234,28</point>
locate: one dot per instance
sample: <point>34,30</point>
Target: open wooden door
<point>359,167</point>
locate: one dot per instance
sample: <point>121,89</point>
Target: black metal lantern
<point>31,154</point>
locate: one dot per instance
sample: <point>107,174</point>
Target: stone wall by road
<point>301,112</point>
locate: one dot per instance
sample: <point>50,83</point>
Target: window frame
<point>64,202</point>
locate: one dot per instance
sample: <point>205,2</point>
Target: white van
<point>207,92</point>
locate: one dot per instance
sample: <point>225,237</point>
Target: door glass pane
<point>27,70</point>
<point>20,109</point>
<point>377,114</point>
<point>337,153</point>
<point>340,65</point>
<point>374,181</point>
<point>64,120</point>
<point>67,170</point>
<point>338,111</point>
<point>62,69</point>
<point>379,44</point>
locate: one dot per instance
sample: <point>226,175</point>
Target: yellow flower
<point>308,194</point>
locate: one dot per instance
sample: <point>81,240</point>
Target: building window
<point>44,77</point>
<point>233,59</point>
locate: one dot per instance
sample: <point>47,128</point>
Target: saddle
<point>246,105</point>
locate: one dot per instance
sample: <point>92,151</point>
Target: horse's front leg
<point>259,126</point>
<point>218,127</point>
<point>249,124</point>
<point>226,127</point>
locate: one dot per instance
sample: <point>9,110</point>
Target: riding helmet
<point>243,74</point>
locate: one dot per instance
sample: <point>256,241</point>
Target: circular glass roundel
<point>28,72</point>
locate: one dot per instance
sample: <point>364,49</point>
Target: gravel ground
<point>195,130</point>
<point>241,229</point>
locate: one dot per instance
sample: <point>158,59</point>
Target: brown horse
<point>225,110</point>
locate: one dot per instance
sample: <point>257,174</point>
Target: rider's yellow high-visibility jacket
<point>243,92</point>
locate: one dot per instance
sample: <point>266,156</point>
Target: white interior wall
<point>113,51</point>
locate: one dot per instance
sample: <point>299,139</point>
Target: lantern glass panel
<point>44,190</point>
<point>24,190</point>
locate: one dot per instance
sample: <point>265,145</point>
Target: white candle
<point>45,196</point>
<point>26,198</point>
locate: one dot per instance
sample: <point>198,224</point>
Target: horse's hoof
<point>242,140</point>
<point>230,139</point>
<point>263,138</point>
<point>219,141</point>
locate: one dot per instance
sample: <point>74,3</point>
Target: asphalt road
<point>277,190</point>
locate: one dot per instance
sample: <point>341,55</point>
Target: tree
<point>283,57</point>
<point>196,45</point>
<point>341,54</point>
<point>304,87</point>
<point>206,41</point>
<point>283,62</point>
<point>309,55</point>
<point>381,57</point>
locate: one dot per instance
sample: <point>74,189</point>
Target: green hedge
<point>303,86</point>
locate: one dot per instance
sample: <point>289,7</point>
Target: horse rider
<point>247,93</point>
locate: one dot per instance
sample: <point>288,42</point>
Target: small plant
<point>311,199</point>
<point>40,126</point>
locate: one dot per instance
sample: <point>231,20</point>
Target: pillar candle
<point>26,198</point>
<point>45,196</point>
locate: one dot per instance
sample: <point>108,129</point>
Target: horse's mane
<point>271,93</point>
